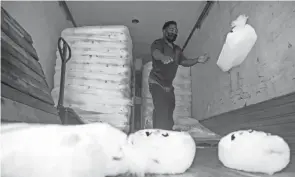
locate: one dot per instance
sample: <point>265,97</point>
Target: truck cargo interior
<point>81,62</point>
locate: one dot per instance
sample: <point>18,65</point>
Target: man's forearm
<point>158,55</point>
<point>189,62</point>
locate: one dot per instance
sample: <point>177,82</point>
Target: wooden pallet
<point>25,95</point>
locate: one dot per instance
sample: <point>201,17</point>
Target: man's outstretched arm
<point>188,62</point>
<point>191,62</point>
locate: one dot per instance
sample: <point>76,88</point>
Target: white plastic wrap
<point>182,91</point>
<point>194,128</point>
<point>254,151</point>
<point>67,151</point>
<point>98,76</point>
<point>111,32</point>
<point>238,44</point>
<point>159,149</point>
<point>53,150</point>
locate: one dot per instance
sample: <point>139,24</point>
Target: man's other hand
<point>203,59</point>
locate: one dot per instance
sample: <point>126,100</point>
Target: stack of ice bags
<point>98,75</point>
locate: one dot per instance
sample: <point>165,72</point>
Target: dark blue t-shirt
<point>162,73</point>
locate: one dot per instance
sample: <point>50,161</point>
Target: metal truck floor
<point>206,164</point>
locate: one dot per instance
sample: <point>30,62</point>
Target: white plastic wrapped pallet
<point>182,89</point>
<point>98,76</point>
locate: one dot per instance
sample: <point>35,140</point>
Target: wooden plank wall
<point>276,116</point>
<point>25,96</point>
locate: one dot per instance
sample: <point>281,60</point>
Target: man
<point>166,56</point>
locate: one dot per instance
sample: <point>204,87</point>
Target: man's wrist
<point>197,60</point>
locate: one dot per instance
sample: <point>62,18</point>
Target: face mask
<point>171,37</point>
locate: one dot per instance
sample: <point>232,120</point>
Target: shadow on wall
<point>267,72</point>
<point>44,21</point>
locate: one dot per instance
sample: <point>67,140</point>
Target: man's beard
<point>171,37</point>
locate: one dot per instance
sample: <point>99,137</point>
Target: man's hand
<point>203,59</point>
<point>167,60</point>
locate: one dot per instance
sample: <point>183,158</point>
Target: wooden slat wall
<point>6,18</point>
<point>276,116</point>
<point>25,96</point>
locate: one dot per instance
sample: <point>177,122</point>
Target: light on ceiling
<point>135,21</point>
